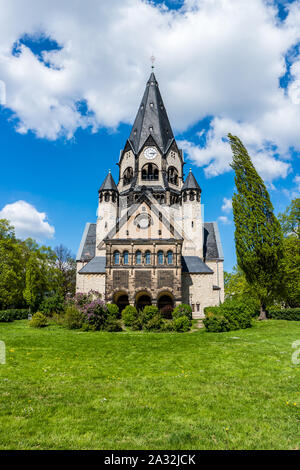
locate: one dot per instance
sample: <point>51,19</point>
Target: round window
<point>143,221</point>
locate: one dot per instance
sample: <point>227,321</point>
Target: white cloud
<point>2,93</point>
<point>216,156</point>
<point>224,220</point>
<point>28,222</point>
<point>214,58</point>
<point>227,205</point>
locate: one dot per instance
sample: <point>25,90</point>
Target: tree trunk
<point>263,313</point>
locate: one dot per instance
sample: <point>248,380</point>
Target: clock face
<point>150,153</point>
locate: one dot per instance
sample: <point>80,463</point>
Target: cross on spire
<point>152,58</point>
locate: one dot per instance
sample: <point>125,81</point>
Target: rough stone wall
<point>197,289</point>
<point>87,282</point>
<point>218,276</point>
<point>153,279</point>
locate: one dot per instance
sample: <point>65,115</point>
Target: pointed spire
<point>151,120</point>
<point>108,184</point>
<point>191,182</point>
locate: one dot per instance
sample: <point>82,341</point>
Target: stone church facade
<point>150,244</point>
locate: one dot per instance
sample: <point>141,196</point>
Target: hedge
<point>292,314</point>
<point>13,314</point>
<point>231,315</point>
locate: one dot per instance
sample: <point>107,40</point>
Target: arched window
<point>126,257</point>
<point>150,172</point>
<point>170,257</point>
<point>116,257</point>
<point>148,257</point>
<point>192,196</point>
<point>106,197</point>
<point>160,257</point>
<point>127,175</point>
<point>173,175</point>
<point>138,257</point>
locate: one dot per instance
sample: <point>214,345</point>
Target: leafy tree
<point>66,270</point>
<point>289,291</point>
<point>258,235</point>
<point>235,283</point>
<point>30,272</point>
<point>12,268</point>
<point>290,219</point>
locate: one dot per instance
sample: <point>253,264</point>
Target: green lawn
<point>65,389</point>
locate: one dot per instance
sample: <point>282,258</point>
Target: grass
<point>65,389</point>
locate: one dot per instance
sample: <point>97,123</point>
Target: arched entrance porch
<point>165,303</point>
<point>121,300</point>
<point>142,299</point>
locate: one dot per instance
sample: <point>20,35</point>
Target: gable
<point>134,223</point>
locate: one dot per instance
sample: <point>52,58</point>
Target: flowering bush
<point>95,313</point>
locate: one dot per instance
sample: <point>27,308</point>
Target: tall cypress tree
<point>258,235</point>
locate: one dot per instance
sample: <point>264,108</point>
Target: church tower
<point>151,160</point>
<point>150,244</point>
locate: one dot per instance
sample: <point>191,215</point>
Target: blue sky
<point>70,99</point>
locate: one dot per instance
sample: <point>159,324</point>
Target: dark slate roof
<point>108,184</point>
<point>212,248</point>
<point>190,182</point>
<point>95,266</point>
<point>195,265</point>
<point>87,245</point>
<point>151,114</point>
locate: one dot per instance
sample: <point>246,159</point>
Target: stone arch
<point>142,298</point>
<point>150,172</point>
<point>127,175</point>
<point>121,299</point>
<point>173,175</point>
<point>165,297</point>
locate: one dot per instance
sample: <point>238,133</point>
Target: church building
<point>150,244</point>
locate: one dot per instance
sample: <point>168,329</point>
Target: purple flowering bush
<point>95,313</point>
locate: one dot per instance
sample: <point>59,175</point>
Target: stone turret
<point>107,209</point>
<point>191,217</point>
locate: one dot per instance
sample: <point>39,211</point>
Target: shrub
<point>231,315</point>
<point>38,320</point>
<point>149,312</point>
<point>155,323</point>
<point>13,314</point>
<point>166,312</point>
<point>6,316</point>
<point>292,314</point>
<point>112,324</point>
<point>182,310</point>
<point>53,304</point>
<point>73,318</point>
<point>182,324</point>
<point>215,323</point>
<point>20,314</point>
<point>129,315</point>
<point>95,313</point>
<point>167,326</point>
<point>81,299</point>
<point>209,310</point>
<point>113,310</point>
